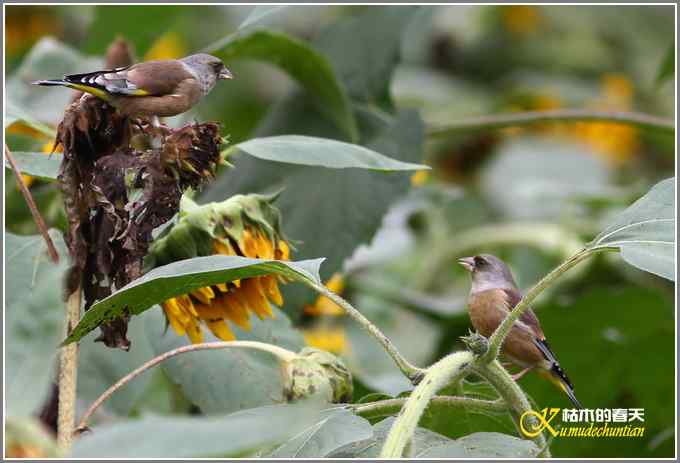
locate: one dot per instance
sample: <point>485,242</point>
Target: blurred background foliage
<point>530,195</point>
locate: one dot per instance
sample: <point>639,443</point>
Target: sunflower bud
<point>316,373</point>
<point>244,225</point>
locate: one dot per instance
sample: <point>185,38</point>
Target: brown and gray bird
<point>492,296</point>
<point>153,88</point>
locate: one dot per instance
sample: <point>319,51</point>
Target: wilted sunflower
<point>245,226</point>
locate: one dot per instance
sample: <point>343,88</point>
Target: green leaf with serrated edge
<point>323,152</point>
<point>40,165</point>
<point>645,231</point>
<point>183,277</point>
<point>299,60</point>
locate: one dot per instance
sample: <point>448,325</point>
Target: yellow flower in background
<point>168,46</point>
<point>25,25</point>
<point>235,301</point>
<point>616,143</point>
<point>330,339</point>
<point>521,20</point>
<point>323,305</point>
<point>325,332</point>
<point>420,178</point>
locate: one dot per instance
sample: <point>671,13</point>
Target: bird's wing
<point>528,317</point>
<point>143,79</point>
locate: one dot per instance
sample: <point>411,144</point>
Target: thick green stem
<point>440,403</point>
<point>436,377</point>
<point>515,399</point>
<point>499,121</point>
<point>497,338</point>
<point>410,371</point>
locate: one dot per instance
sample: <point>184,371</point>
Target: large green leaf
<point>645,232</point>
<point>34,320</point>
<point>548,178</point>
<point>335,429</point>
<point>238,434</point>
<point>483,445</point>
<point>182,277</point>
<point>364,50</point>
<point>38,106</point>
<point>139,24</point>
<point>14,114</point>
<point>331,212</point>
<point>40,165</point>
<point>370,448</point>
<point>324,152</point>
<point>302,63</point>
<point>99,367</point>
<point>227,380</point>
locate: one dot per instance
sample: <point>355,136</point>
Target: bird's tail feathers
<point>558,377</point>
<point>51,82</point>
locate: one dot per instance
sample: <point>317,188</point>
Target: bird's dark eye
<point>217,66</point>
<point>479,261</point>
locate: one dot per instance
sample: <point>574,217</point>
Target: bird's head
<point>208,68</point>
<point>488,272</point>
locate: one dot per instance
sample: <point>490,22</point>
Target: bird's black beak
<point>468,263</point>
<point>225,74</point>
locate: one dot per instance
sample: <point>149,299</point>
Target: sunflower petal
<point>220,329</point>
<point>194,332</point>
<point>271,288</point>
<point>205,294</point>
<point>185,302</point>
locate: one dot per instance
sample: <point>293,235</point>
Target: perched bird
<point>492,295</point>
<point>153,88</point>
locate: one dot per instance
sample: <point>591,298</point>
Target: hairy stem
<point>441,403</point>
<point>497,338</point>
<point>410,371</point>
<point>436,377</point>
<point>514,397</point>
<point>68,376</point>
<point>498,121</point>
<point>37,218</point>
<point>283,354</point>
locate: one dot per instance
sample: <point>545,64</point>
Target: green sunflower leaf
<point>183,277</point>
<point>34,319</point>
<point>645,231</point>
<point>243,433</point>
<point>299,60</point>
<point>40,165</point>
<point>323,152</point>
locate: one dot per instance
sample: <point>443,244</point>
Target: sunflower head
<point>247,226</point>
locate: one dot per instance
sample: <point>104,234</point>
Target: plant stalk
<point>514,397</point>
<point>436,377</point>
<point>499,121</point>
<point>283,354</point>
<point>412,372</point>
<point>441,403</point>
<point>37,218</point>
<point>497,338</point>
<point>68,376</point>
